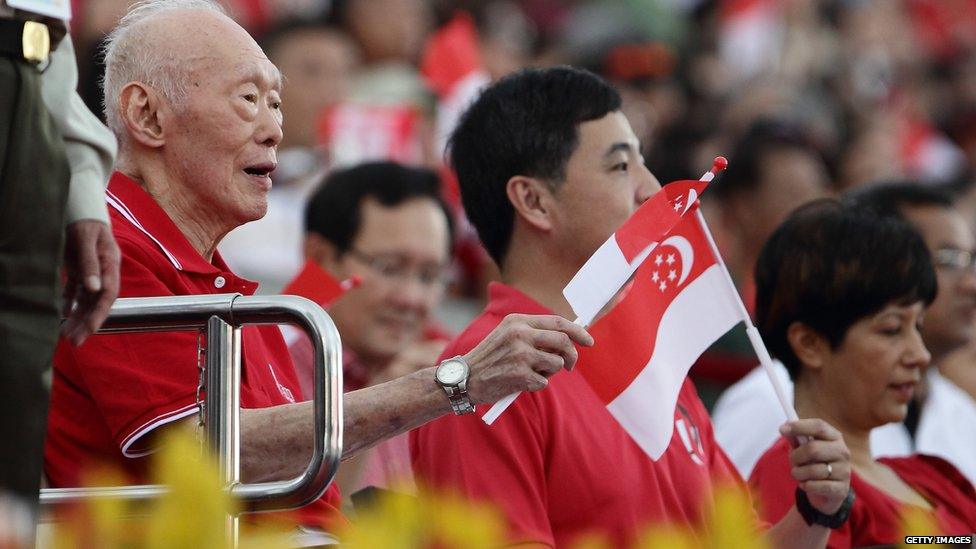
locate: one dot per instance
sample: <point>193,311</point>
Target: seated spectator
<point>198,139</point>
<point>549,168</point>
<point>841,296</point>
<point>942,429</point>
<point>943,412</point>
<point>388,225</point>
<point>773,169</point>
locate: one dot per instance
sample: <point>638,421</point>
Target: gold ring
<point>830,470</point>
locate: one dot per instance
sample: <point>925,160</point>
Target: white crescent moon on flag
<point>686,252</point>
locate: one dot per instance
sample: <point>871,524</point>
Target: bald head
<point>166,44</point>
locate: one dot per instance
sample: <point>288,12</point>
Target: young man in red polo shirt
<point>195,104</point>
<point>549,167</point>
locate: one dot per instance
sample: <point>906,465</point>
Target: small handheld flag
<point>616,260</point>
<point>315,283</point>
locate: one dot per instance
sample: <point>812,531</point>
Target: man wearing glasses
<point>387,225</point>
<point>946,413</point>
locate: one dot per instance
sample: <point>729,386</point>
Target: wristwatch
<point>452,376</point>
<point>812,516</point>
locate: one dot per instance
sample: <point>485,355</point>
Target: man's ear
<point>139,108</point>
<point>531,198</point>
<point>811,347</point>
<point>321,251</point>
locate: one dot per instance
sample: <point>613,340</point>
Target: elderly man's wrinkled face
<point>223,140</point>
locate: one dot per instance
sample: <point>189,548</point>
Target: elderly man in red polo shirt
<point>195,105</point>
<point>549,168</point>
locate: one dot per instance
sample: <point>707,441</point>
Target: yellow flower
<point>916,522</point>
<point>400,521</point>
<point>194,512</point>
<point>732,521</point>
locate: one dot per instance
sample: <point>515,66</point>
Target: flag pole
<point>758,345</point>
<point>496,410</point>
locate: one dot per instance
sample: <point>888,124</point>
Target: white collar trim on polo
<point>120,207</point>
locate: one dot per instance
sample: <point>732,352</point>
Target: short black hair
<point>831,264</point>
<point>765,136</point>
<point>892,198</point>
<point>524,124</point>
<point>334,210</point>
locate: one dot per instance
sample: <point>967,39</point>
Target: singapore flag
<point>614,262</point>
<point>679,302</point>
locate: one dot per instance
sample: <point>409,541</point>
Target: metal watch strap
<point>460,402</point>
<point>812,516</point>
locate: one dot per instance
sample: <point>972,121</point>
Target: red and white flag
<point>613,263</point>
<point>680,301</point>
<point>355,132</point>
<point>452,67</point>
<point>315,283</point>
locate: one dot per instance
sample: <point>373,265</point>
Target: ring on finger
<point>830,470</point>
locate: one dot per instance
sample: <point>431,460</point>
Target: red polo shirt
<point>559,466</point>
<point>876,517</point>
<point>111,393</point>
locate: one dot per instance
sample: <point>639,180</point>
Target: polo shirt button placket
<point>219,282</point>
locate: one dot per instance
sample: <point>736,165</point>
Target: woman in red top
<point>841,295</point>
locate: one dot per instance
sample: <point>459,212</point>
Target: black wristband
<point>812,516</point>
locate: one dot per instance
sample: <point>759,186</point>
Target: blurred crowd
<point>857,90</point>
<point>807,98</point>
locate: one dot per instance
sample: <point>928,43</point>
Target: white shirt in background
<point>947,427</point>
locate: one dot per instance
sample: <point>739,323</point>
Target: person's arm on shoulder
<point>518,355</point>
<point>91,257</point>
<point>90,146</point>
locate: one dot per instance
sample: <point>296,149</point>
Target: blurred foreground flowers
<point>193,514</point>
<point>442,521</point>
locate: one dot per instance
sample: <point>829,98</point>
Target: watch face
<point>451,372</point>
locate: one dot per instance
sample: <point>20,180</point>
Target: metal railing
<point>221,317</point>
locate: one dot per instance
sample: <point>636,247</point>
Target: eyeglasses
<point>393,268</point>
<point>957,260</point>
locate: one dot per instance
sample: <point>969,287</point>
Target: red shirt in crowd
<point>558,465</point>
<point>111,393</point>
<point>876,518</point>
